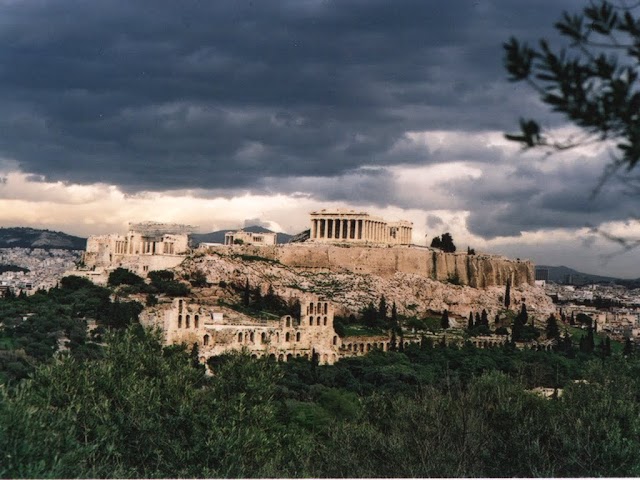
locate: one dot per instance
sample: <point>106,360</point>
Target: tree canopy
<point>593,81</point>
<point>445,243</point>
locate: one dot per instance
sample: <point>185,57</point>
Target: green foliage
<point>35,326</point>
<point>552,330</point>
<point>122,276</point>
<point>584,319</point>
<point>73,282</point>
<point>163,281</point>
<point>445,243</point>
<point>159,276</point>
<point>138,413</point>
<point>198,279</point>
<point>454,279</point>
<point>12,268</point>
<point>587,83</point>
<point>444,320</point>
<point>142,410</point>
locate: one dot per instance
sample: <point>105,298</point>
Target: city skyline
<point>237,113</point>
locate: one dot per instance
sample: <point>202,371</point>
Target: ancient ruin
<point>309,333</point>
<point>240,237</point>
<point>349,226</point>
<point>146,247</point>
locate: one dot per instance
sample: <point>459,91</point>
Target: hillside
<point>566,275</point>
<point>218,236</point>
<point>413,293</point>
<point>25,237</point>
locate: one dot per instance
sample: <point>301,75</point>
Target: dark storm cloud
<point>433,221</point>
<point>508,201</point>
<point>162,95</point>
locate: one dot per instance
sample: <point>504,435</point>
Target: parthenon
<point>338,226</point>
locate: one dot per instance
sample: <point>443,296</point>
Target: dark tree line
<point>444,243</point>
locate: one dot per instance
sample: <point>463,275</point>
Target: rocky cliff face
<point>353,277</point>
<point>479,271</point>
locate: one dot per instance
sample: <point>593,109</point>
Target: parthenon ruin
<point>337,226</point>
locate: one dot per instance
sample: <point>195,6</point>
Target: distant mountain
<point>25,237</point>
<point>218,237</point>
<point>570,276</point>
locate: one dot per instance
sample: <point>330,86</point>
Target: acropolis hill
<point>345,261</point>
<point>339,241</point>
<point>478,271</point>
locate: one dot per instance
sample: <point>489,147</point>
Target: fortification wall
<point>479,271</point>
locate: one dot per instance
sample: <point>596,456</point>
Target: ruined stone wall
<point>188,322</point>
<point>478,271</point>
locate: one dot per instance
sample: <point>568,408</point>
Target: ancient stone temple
<point>349,226</point>
<point>146,246</point>
<point>249,238</point>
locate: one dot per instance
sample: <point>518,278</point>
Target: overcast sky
<point>227,113</point>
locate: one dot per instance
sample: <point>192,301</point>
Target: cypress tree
<point>470,323</point>
<point>246,294</point>
<point>484,318</point>
<point>444,321</point>
<point>382,311</point>
<point>394,315</point>
<point>552,330</point>
<point>507,294</point>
